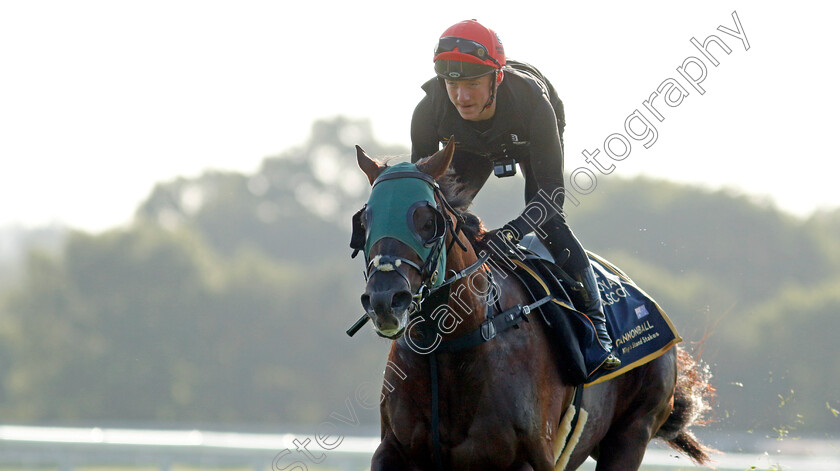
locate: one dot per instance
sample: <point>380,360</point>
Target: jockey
<point>500,116</point>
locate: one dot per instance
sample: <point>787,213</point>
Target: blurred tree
<point>685,229</point>
<point>228,298</point>
<point>785,354</point>
<point>290,208</point>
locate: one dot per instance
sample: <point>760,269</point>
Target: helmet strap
<point>492,91</point>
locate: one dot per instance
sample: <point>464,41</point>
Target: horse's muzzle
<point>388,309</point>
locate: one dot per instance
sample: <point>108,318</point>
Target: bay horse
<point>494,398</point>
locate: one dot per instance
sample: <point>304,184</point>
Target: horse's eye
<point>426,223</point>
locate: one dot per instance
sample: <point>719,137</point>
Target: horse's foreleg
<point>388,457</point>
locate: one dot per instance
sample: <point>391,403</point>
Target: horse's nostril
<point>388,302</point>
<point>401,301</point>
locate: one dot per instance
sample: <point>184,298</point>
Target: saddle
<point>640,329</point>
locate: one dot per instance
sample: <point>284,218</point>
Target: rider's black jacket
<point>524,127</point>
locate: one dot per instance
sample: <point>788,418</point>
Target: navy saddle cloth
<point>639,328</point>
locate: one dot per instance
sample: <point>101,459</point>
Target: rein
<point>425,291</point>
<point>494,325</point>
<point>496,320</point>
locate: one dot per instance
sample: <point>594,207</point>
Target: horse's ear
<point>437,164</point>
<point>371,167</point>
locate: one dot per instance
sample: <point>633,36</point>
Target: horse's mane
<point>457,194</point>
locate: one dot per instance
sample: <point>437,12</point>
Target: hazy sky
<point>99,100</point>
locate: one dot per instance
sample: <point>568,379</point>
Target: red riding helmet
<point>468,50</point>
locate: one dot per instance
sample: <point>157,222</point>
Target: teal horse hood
<point>390,213</point>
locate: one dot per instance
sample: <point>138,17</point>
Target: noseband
<point>432,269</point>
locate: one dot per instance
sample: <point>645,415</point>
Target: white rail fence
<point>69,449</point>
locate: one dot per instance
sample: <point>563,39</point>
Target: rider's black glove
<point>501,240</point>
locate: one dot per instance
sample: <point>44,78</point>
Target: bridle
<point>494,323</point>
<point>448,220</point>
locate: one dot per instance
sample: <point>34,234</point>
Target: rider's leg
<point>561,237</point>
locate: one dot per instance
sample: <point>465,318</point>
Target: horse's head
<point>402,230</point>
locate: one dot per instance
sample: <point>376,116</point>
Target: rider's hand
<point>503,238</point>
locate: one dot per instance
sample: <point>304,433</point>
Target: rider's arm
<point>546,149</point>
<point>424,138</point>
<point>544,177</point>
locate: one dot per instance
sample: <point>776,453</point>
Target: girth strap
<point>577,399</point>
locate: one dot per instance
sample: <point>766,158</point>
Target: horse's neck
<point>469,296</point>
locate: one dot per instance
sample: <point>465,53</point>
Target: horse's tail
<point>691,401</point>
